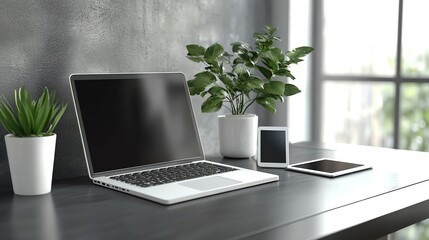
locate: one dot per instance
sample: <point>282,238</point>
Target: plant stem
<point>237,105</point>
<point>227,107</point>
<point>233,110</point>
<point>231,102</point>
<point>250,102</point>
<point>241,104</point>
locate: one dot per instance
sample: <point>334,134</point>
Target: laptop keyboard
<point>172,174</point>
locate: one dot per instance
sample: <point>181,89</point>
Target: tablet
<point>328,167</point>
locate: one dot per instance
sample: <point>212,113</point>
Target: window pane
<point>358,113</point>
<point>414,132</point>
<point>415,39</point>
<point>419,231</point>
<point>360,37</point>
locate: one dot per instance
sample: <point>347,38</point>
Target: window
<point>372,73</point>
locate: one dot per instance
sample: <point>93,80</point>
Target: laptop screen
<point>130,120</point>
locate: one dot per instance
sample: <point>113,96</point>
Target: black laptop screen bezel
<point>117,76</point>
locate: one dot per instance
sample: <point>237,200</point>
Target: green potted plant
<point>31,141</point>
<point>239,79</point>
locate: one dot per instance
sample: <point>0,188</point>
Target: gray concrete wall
<point>43,41</point>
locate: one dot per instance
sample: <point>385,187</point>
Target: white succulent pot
<point>31,162</point>
<point>238,135</point>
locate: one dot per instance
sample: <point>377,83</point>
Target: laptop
<point>140,137</point>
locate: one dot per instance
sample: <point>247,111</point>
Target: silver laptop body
<point>137,122</point>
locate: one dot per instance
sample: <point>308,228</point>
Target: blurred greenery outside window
<point>364,84</point>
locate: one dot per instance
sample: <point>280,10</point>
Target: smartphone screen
<point>273,146</point>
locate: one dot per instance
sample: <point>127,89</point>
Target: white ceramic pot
<point>238,135</point>
<point>31,162</point>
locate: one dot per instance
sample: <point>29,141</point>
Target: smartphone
<point>273,147</point>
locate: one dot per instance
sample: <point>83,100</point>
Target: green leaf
<point>274,88</point>
<point>253,55</point>
<point>200,82</point>
<point>255,83</point>
<point>239,70</point>
<point>226,54</point>
<point>263,41</point>
<point>268,103</point>
<point>204,93</point>
<point>213,52</point>
<point>277,52</point>
<point>216,68</point>
<point>218,91</point>
<point>194,87</point>
<point>56,119</point>
<point>270,64</point>
<point>243,87</point>
<point>205,78</point>
<point>247,60</point>
<point>225,57</point>
<point>278,97</point>
<point>258,35</point>
<point>270,29</point>
<point>240,47</point>
<point>212,104</point>
<point>196,59</point>
<point>42,118</point>
<point>238,61</point>
<point>291,89</point>
<point>23,106</point>
<point>42,112</point>
<point>43,99</point>
<point>265,71</point>
<point>227,81</point>
<point>8,119</point>
<point>270,54</point>
<point>285,73</point>
<point>272,58</point>
<point>296,54</point>
<point>195,50</point>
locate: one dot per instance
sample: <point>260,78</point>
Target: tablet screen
<point>326,165</point>
<point>330,166</point>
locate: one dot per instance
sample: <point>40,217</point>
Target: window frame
<point>319,77</point>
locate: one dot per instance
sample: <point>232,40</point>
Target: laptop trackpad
<point>209,183</point>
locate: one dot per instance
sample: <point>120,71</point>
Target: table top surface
<point>298,206</point>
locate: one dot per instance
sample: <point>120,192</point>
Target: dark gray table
<point>364,205</point>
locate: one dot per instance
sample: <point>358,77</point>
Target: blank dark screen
<point>137,121</point>
<point>273,146</point>
<point>329,166</point>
